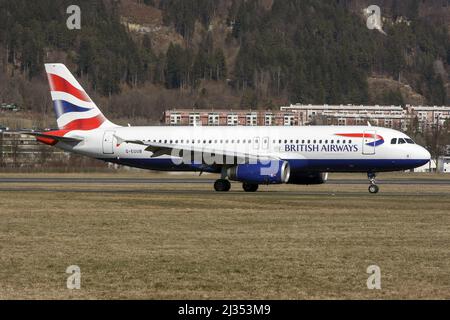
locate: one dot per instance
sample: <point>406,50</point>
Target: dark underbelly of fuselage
<point>319,165</point>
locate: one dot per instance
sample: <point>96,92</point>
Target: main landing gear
<point>249,187</point>
<point>373,188</point>
<point>222,185</point>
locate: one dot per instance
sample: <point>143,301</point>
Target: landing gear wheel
<point>373,188</point>
<point>249,187</point>
<point>222,185</point>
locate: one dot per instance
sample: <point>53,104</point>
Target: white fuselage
<point>306,148</point>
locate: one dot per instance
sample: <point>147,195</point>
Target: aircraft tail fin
<point>74,109</point>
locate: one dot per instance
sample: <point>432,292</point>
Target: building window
<point>268,119</point>
<point>213,119</point>
<point>175,119</point>
<point>341,122</point>
<point>232,120</point>
<point>251,119</point>
<point>194,119</point>
<point>288,120</point>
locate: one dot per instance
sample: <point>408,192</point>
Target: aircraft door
<point>369,139</point>
<point>108,140</point>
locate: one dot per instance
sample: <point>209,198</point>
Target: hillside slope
<point>139,57</point>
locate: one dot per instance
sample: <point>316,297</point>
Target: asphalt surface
<point>202,181</point>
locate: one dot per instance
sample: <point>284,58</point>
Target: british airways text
<point>321,148</point>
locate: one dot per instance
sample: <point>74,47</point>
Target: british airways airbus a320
<point>252,155</point>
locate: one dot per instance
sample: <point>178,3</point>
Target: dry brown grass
<point>185,241</point>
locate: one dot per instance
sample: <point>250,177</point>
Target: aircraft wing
<point>159,149</point>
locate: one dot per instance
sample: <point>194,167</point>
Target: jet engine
<point>274,172</point>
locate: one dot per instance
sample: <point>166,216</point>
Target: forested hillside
<point>139,57</point>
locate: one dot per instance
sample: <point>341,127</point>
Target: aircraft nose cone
<point>423,155</point>
<point>426,154</point>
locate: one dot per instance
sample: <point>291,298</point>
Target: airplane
<point>252,155</point>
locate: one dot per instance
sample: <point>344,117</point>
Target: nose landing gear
<point>373,188</point>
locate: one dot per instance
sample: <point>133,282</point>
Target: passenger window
<point>326,141</point>
<point>303,141</point>
<point>296,141</point>
<point>309,141</point>
<point>349,141</point>
<point>314,141</point>
<point>401,141</point>
<point>338,141</point>
<point>343,141</point>
<point>320,141</point>
<point>394,141</point>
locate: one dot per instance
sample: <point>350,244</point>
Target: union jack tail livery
<point>74,109</point>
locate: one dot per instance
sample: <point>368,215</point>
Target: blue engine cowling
<point>274,172</point>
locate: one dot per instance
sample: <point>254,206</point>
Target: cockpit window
<point>410,141</point>
<point>401,141</point>
<point>394,141</point>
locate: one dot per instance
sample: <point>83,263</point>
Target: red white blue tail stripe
<point>73,108</point>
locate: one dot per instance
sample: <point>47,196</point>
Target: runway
<point>135,235</point>
<point>115,181</point>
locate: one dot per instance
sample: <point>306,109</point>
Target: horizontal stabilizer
<point>52,139</point>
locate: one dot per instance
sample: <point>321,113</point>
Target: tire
<point>373,188</point>
<point>249,187</point>
<point>222,185</point>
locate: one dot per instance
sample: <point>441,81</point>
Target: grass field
<point>186,241</point>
